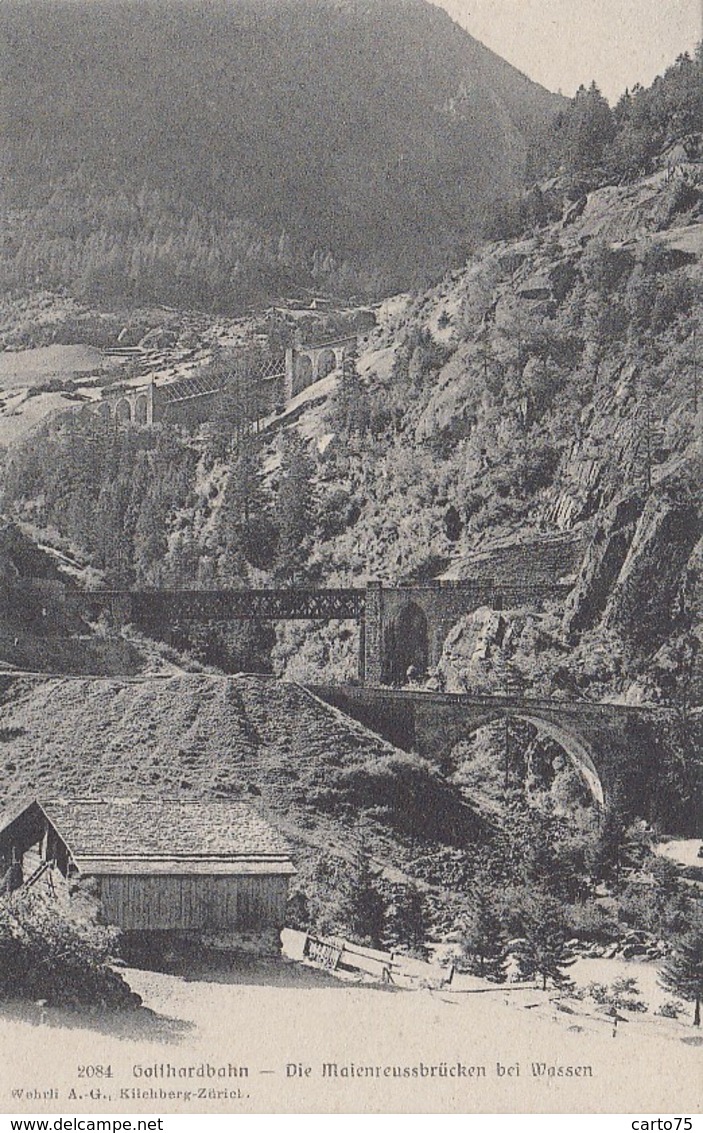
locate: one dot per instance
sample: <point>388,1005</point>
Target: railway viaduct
<point>617,748</point>
<point>401,626</point>
<point>194,398</point>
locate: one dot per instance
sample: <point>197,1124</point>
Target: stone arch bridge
<point>308,364</point>
<point>617,748</point>
<point>130,405</point>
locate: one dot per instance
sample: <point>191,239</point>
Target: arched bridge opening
<point>141,409</point>
<point>576,749</point>
<point>307,364</point>
<point>123,412</point>
<point>326,362</point>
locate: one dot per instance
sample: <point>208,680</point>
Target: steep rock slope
<point>540,419</point>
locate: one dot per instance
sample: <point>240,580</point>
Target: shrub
<point>621,995</point>
<point>624,995</point>
<point>653,909</point>
<point>593,921</point>
<point>670,1009</point>
<point>362,906</point>
<point>605,268</point>
<point>44,955</point>
<point>298,914</point>
<point>402,791</point>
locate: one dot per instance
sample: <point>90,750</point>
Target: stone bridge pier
<point>306,365</point>
<point>128,406</point>
<point>407,626</point>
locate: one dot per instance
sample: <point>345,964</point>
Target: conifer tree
<point>405,923</point>
<point>294,513</point>
<point>543,949</point>
<point>362,907</point>
<point>584,129</point>
<point>483,937</point>
<point>682,971</point>
<point>244,523</point>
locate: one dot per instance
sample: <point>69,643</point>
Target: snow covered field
<point>312,1043</point>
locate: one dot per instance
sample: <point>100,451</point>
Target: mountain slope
<point>374,131</point>
<point>321,779</point>
<point>536,416</point>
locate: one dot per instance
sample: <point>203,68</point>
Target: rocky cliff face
<point>605,554</point>
<point>650,596</point>
<point>546,392</point>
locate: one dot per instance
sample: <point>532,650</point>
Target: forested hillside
<point>549,390</point>
<point>587,145</point>
<point>214,155</point>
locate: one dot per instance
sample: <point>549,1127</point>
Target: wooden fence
<point>396,968</point>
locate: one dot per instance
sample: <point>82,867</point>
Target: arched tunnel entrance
<point>407,647</point>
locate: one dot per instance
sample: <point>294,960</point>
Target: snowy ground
<point>684,851</point>
<point>31,367</point>
<point>23,370</point>
<point>274,1016</point>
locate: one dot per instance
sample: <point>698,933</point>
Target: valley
<point>352,481</point>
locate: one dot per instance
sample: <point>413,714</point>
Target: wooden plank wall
<point>201,902</point>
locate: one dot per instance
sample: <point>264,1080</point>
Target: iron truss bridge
<point>205,385</point>
<point>168,606</point>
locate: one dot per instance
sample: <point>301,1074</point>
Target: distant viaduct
<point>195,398</point>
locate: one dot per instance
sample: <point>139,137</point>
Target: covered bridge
<point>158,865</point>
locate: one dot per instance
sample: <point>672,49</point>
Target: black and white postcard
<point>351,556</point>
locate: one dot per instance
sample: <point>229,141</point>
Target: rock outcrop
<point>648,600</point>
<point>602,564</point>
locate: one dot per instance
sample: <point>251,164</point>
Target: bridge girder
<point>168,606</point>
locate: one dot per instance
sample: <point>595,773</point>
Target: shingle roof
<point>138,836</point>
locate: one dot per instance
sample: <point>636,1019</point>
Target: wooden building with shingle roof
<point>160,865</point>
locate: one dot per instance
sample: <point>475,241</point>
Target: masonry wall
<point>442,604</point>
